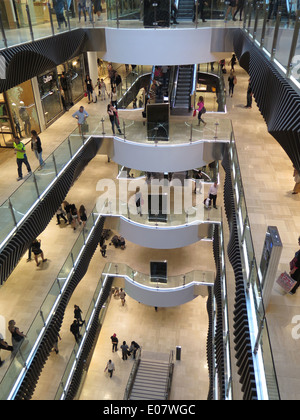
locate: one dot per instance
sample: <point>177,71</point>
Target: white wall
<point>166,46</point>
<point>162,298</point>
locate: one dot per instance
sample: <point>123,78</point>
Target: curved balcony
<point>169,227</point>
<point>187,145</point>
<point>176,290</point>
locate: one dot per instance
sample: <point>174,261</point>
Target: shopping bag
<point>194,113</point>
<point>95,99</point>
<point>286,282</point>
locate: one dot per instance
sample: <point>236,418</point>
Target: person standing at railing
<point>89,9</point>
<point>81,115</point>
<point>59,7</point>
<point>97,8</point>
<point>231,8</point>
<point>240,8</point>
<point>201,4</point>
<point>17,337</point>
<point>81,4</point>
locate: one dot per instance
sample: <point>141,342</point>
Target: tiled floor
<point>268,182</point>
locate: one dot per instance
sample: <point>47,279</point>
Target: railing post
<point>275,38</point>
<point>12,212</point>
<point>293,45</point>
<point>3,31</point>
<point>50,16</point>
<point>263,32</point>
<point>256,20</point>
<point>35,183</point>
<point>54,163</point>
<point>117,13</point>
<point>29,22</point>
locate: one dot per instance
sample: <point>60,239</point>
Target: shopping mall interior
<point>200,277</point>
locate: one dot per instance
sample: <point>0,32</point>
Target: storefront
<point>50,96</point>
<point>18,114</point>
<point>73,87</point>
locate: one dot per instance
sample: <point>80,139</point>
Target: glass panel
<point>295,67</point>
<point>65,271</point>
<point>77,247</point>
<point>7,222</point>
<point>45,176</point>
<point>40,18</point>
<point>23,198</point>
<point>22,107</point>
<point>76,142</point>
<point>62,155</point>
<point>50,95</point>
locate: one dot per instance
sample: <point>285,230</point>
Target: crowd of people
<point>127,351</point>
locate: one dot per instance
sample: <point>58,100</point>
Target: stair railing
<point>133,373</point>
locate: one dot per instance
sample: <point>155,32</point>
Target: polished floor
<point>268,183</point>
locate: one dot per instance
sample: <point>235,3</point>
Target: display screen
<point>158,271</point>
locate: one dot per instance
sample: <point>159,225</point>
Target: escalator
<point>185,10</point>
<point>183,87</point>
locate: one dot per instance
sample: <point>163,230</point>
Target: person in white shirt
<point>213,193</point>
<point>110,367</point>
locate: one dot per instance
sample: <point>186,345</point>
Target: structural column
<point>93,66</point>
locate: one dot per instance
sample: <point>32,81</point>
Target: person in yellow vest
<point>20,151</point>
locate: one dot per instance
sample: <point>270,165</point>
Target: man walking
<point>19,150</point>
<point>213,192</point>
<point>110,367</point>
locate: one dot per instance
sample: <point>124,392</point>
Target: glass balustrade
<point>24,354</point>
<point>274,28</point>
<point>251,278</point>
<point>32,190</point>
<point>152,216</point>
<point>123,270</point>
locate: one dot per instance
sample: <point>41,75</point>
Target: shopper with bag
<point>81,115</point>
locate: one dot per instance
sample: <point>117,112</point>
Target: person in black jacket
<point>36,146</point>
<point>74,328</point>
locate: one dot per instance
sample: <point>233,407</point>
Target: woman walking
<point>232,81</point>
<point>113,116</point>
<point>36,146</point>
<point>89,88</point>
<point>201,110</point>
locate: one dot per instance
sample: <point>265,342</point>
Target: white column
<point>38,103</point>
<point>93,67</point>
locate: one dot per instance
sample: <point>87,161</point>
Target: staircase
<point>183,91</point>
<point>153,377</point>
<point>185,10</point>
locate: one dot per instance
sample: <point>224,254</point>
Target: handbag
<point>85,94</point>
<point>286,282</point>
<point>203,110</point>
